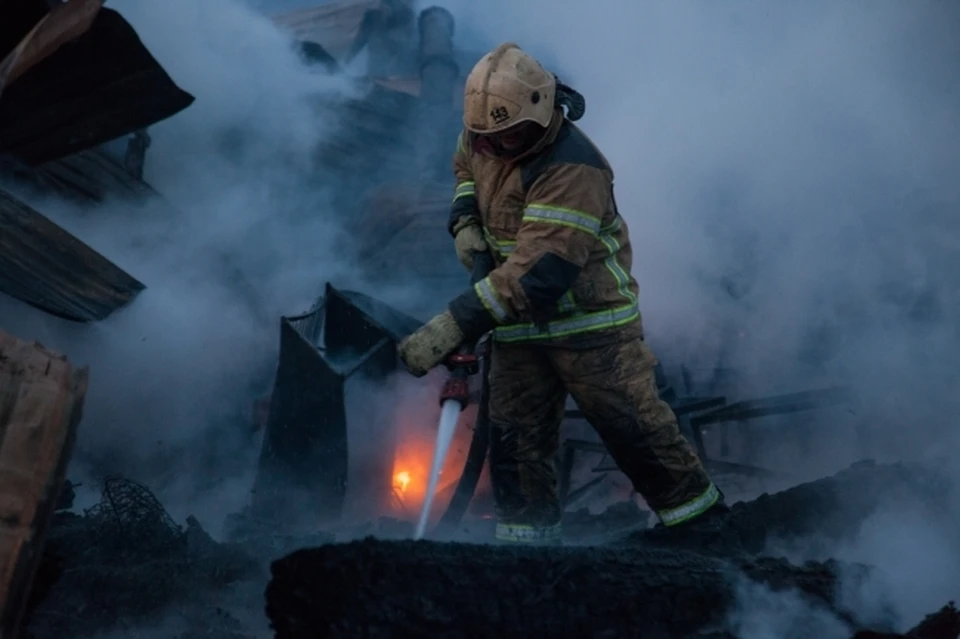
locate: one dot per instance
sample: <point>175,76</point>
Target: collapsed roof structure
<point>72,78</point>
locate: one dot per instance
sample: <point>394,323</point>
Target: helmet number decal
<point>499,114</point>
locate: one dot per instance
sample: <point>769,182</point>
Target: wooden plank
<point>47,267</point>
<point>41,401</point>
<point>102,86</point>
<point>64,23</point>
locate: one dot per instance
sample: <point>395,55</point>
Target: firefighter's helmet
<point>507,87</point>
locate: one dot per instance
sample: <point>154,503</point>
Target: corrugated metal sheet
<point>43,265</point>
<point>41,399</point>
<point>105,85</point>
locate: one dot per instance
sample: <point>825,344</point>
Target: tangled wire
<point>130,518</point>
<point>125,560</point>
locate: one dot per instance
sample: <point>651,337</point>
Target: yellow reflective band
<point>576,320</point>
<point>464,189</point>
<point>691,509</point>
<point>490,300</point>
<point>564,217</point>
<point>612,264</point>
<point>573,325</point>
<point>524,533</point>
<point>503,247</point>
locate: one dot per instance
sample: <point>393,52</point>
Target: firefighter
<point>561,302</point>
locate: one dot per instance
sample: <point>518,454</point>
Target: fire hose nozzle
<point>456,389</point>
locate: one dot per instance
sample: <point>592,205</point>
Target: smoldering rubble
<point>124,564</point>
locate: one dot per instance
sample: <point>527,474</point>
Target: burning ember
<point>401,481</point>
<point>412,459</point>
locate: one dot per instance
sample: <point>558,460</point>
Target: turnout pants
<point>613,384</point>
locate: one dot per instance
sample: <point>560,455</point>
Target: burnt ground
<point>648,584</point>
<point>125,565</point>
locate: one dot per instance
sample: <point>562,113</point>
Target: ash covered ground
<point>124,568</point>
<point>790,182</point>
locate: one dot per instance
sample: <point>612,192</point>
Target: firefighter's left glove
<point>468,239</point>
<point>430,344</point>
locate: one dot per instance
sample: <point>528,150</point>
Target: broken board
<point>64,23</point>
<point>43,265</point>
<point>41,400</point>
<point>98,87</point>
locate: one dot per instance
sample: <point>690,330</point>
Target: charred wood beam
<point>63,23</point>
<point>775,405</point>
<point>101,86</point>
<point>765,407</point>
<point>43,265</point>
<point>19,16</point>
<point>41,401</point>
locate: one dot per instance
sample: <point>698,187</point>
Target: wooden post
<point>41,400</point>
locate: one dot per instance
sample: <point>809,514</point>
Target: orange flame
<point>401,481</point>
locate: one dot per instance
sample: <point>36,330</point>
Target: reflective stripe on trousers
<point>691,509</point>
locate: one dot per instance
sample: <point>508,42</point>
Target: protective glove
<point>430,344</point>
<point>468,239</point>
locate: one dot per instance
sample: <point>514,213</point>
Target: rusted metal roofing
<point>41,399</point>
<point>43,265</point>
<point>105,85</point>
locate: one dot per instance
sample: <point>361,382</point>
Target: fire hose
<point>454,398</point>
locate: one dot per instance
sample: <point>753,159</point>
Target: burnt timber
<point>50,269</point>
<point>41,401</point>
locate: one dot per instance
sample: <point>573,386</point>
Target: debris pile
<point>647,585</point>
<point>123,562</point>
<point>943,624</point>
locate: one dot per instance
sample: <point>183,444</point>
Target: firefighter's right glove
<point>430,345</point>
<point>468,239</point>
